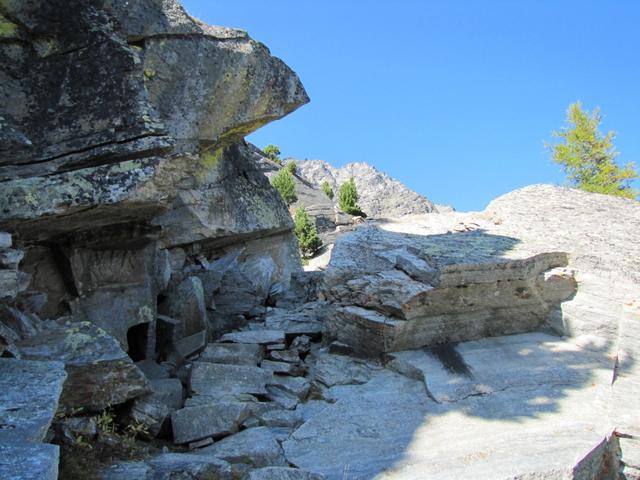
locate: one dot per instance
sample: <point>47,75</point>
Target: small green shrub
<point>348,198</point>
<point>291,167</point>
<point>308,239</point>
<point>284,184</point>
<point>326,188</point>
<point>272,152</point>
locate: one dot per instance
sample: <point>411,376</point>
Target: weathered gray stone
<point>191,345</point>
<point>254,446</point>
<point>153,370</point>
<point>212,420</point>
<point>185,465</point>
<point>261,337</point>
<point>476,292</point>
<point>233,353</point>
<point>40,262</point>
<point>151,412</point>
<point>72,428</point>
<point>280,418</point>
<point>297,386</point>
<point>629,458</point>
<point>301,344</point>
<point>99,373</point>
<point>283,368</point>
<point>283,473</point>
<point>282,397</point>
<point>186,303</point>
<point>389,427</point>
<point>289,356</point>
<point>10,258</point>
<point>379,195</point>
<point>8,285</point>
<point>218,380</point>
<point>26,461</point>
<point>333,370</point>
<point>29,393</point>
<point>546,360</point>
<point>5,240</point>
<point>24,324</point>
<point>205,442</point>
<point>168,391</point>
<point>125,471</point>
<point>198,400</point>
<point>304,320</point>
<point>116,291</point>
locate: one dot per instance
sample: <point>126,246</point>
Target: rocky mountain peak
<point>380,195</point>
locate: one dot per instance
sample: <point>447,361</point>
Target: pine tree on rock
<point>308,239</point>
<point>588,156</point>
<point>284,184</point>
<point>348,198</point>
<point>326,188</point>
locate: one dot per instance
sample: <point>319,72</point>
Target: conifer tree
<point>588,156</point>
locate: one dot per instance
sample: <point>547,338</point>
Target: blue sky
<point>453,98</point>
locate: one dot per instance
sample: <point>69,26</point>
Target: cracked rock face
<point>117,112</point>
<point>397,290</point>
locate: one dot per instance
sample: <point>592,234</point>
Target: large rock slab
<point>27,461</point>
<point>29,394</point>
<point>283,473</point>
<point>117,290</point>
<point>185,302</point>
<point>390,427</point>
<point>176,465</point>
<point>216,380</point>
<point>454,372</point>
<point>260,337</point>
<point>233,353</point>
<point>100,374</point>
<point>399,290</point>
<point>254,446</point>
<point>212,420</point>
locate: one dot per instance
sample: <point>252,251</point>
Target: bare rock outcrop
<point>380,195</point>
<point>564,264</point>
<point>124,157</point>
<point>142,226</point>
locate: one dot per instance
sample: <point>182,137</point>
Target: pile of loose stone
<point>245,395</point>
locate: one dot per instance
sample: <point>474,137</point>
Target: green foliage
<point>273,152</point>
<point>308,239</point>
<point>283,182</point>
<point>106,421</point>
<point>291,167</point>
<point>326,188</point>
<point>348,198</point>
<point>588,156</point>
<point>137,429</point>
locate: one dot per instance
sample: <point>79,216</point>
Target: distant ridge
<point>380,195</point>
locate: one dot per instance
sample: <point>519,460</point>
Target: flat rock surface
<point>29,393</point>
<point>233,353</point>
<point>282,473</point>
<point>389,427</point>
<point>100,373</point>
<point>455,372</point>
<point>212,420</point>
<point>254,446</point>
<point>29,461</point>
<point>217,380</point>
<point>261,337</point>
